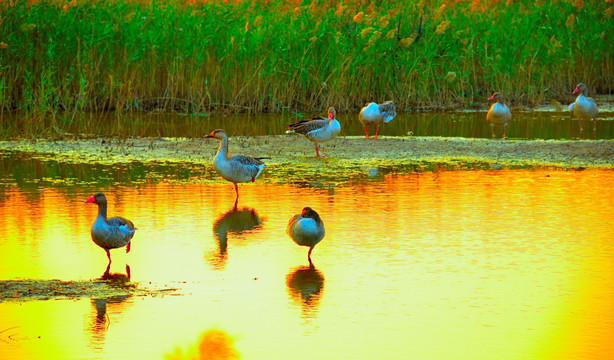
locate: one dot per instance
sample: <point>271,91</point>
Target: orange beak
<point>90,199</point>
<point>210,135</point>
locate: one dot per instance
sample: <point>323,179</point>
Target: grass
<point>284,56</point>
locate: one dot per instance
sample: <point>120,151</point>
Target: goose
<point>318,129</point>
<point>583,107</point>
<point>112,233</point>
<point>376,114</point>
<point>498,114</point>
<point>306,229</point>
<point>236,168</point>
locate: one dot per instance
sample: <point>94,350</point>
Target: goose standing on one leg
<point>306,229</point>
<point>498,114</point>
<point>236,168</point>
<point>112,233</point>
<point>318,130</point>
<point>376,114</point>
<point>583,107</point>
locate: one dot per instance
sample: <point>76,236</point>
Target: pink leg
<point>108,255</point>
<point>492,126</point>
<point>376,131</point>
<point>366,133</point>
<point>580,123</point>
<point>309,254</point>
<point>237,191</point>
<point>504,130</point>
<point>594,124</point>
<point>128,271</point>
<point>318,151</point>
<point>128,246</point>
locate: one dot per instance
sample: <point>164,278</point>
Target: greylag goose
<point>112,233</point>
<point>583,107</point>
<point>318,129</point>
<point>236,168</point>
<point>376,114</point>
<point>306,229</point>
<point>498,114</point>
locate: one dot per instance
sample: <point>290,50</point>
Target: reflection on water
<point>235,221</point>
<point>213,345</point>
<point>100,321</point>
<point>524,125</point>
<point>305,284</point>
<point>493,264</point>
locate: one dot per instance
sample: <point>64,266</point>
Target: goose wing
<point>121,221</point>
<point>306,126</point>
<point>246,165</point>
<point>387,110</point>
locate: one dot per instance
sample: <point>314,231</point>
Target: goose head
<point>310,213</point>
<point>217,133</point>
<point>97,198</point>
<point>331,113</point>
<point>497,97</point>
<point>580,88</point>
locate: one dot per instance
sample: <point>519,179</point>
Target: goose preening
<point>306,229</point>
<point>318,129</point>
<point>583,107</point>
<point>236,168</point>
<point>375,114</point>
<point>498,114</point>
<point>110,233</point>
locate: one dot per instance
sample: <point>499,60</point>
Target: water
<point>438,265</point>
<point>524,125</point>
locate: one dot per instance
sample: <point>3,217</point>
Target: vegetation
<point>275,56</point>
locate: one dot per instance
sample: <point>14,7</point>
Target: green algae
<point>289,159</point>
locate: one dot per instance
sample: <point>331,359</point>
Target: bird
<point>376,114</point>
<point>583,107</point>
<point>236,168</point>
<point>498,114</point>
<point>318,129</point>
<point>306,229</point>
<point>112,233</point>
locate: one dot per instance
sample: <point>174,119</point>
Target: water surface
<point>438,265</point>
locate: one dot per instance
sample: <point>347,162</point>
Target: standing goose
<point>376,114</point>
<point>306,229</point>
<point>498,114</point>
<point>112,233</point>
<point>583,107</point>
<point>318,130</point>
<point>236,168</point>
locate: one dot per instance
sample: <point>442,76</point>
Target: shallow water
<point>438,265</point>
<point>470,124</point>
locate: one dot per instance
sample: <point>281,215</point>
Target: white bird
<point>318,129</point>
<point>236,168</point>
<point>583,107</point>
<point>376,114</point>
<point>112,233</point>
<point>306,229</point>
<point>498,114</point>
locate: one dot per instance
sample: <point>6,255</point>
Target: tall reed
<point>273,55</point>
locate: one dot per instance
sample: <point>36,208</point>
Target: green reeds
<point>276,56</point>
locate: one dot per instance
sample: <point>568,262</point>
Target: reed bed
<point>292,56</point>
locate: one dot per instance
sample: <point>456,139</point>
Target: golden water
<point>447,265</point>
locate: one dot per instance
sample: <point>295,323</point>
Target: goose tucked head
<point>581,88</point>
<point>97,198</point>
<point>497,97</point>
<point>310,213</point>
<point>331,113</point>
<point>217,133</point>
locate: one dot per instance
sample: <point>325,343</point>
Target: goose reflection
<point>305,284</point>
<point>235,221</point>
<point>99,321</point>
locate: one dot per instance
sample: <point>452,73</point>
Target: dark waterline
<point>524,125</point>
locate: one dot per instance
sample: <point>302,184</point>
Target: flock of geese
<point>306,228</point>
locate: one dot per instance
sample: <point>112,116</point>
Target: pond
<point>469,124</point>
<point>509,264</point>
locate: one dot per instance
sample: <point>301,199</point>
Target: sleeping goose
<point>318,129</point>
<point>376,114</point>
<point>306,229</point>
<point>236,168</point>
<point>112,233</point>
<point>583,107</point>
<point>498,114</point>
